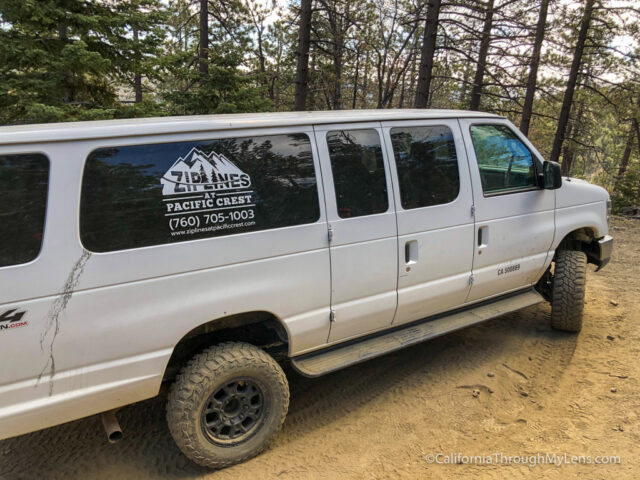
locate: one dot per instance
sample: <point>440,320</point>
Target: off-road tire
<point>567,296</point>
<point>202,376</point>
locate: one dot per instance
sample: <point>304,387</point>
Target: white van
<point>194,250</point>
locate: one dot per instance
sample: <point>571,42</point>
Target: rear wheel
<point>227,404</point>
<point>567,295</point>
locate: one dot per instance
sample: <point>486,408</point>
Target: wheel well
<point>577,239</point>
<point>259,328</point>
<point>581,239</point>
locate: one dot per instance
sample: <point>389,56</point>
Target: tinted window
<point>427,165</point>
<point>358,172</point>
<point>505,163</point>
<point>24,182</point>
<point>143,195</point>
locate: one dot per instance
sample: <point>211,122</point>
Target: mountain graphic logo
<point>199,172</point>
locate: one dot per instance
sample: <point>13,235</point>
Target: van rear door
<point>362,228</point>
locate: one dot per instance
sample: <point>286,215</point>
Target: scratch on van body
<point>53,316</point>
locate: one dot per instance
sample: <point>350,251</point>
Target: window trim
<point>534,157</point>
<point>205,137</point>
<point>395,163</point>
<point>385,167</point>
<point>46,207</point>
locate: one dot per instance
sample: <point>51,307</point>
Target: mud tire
<point>567,296</point>
<point>208,372</point>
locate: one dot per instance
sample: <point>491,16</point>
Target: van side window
<point>24,182</point>
<point>427,165</point>
<point>143,195</point>
<point>358,172</point>
<point>505,163</point>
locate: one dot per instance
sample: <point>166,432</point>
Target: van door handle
<point>483,237</point>
<point>411,252</point>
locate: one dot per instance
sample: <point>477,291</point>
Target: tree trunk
<point>63,35</point>
<point>137,77</point>
<point>262,65</point>
<point>137,86</point>
<point>302,67</point>
<point>466,84</point>
<point>336,101</point>
<point>356,79</point>
<point>624,162</point>
<point>412,76</point>
<point>203,46</point>
<point>402,91</point>
<point>313,73</point>
<point>476,93</point>
<point>62,32</point>
<point>573,80</point>
<point>636,127</point>
<point>338,25</point>
<point>533,70</point>
<point>261,57</point>
<point>568,153</point>
<point>428,53</point>
<point>574,129</point>
<point>365,76</point>
<point>275,93</point>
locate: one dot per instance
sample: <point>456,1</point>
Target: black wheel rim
<point>233,412</point>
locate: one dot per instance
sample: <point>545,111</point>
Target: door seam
<point>395,212</point>
<point>326,218</point>
<point>474,206</point>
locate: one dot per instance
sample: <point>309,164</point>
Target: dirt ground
<point>510,387</point>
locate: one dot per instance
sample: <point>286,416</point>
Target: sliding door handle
<point>411,252</point>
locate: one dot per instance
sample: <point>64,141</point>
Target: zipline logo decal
<point>12,319</point>
<point>206,193</point>
<point>198,172</point>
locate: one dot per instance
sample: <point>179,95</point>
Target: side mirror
<point>551,175</point>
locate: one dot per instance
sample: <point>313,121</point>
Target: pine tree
<point>478,79</point>
<point>51,69</point>
<point>567,101</point>
<point>139,44</point>
<point>527,109</point>
<point>210,80</point>
<point>65,59</point>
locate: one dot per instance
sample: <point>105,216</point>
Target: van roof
<point>58,132</point>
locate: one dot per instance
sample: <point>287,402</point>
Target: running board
<point>325,361</point>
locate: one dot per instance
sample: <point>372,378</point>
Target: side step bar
<point>325,361</point>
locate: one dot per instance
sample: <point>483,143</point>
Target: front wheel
<point>227,404</point>
<point>567,295</point>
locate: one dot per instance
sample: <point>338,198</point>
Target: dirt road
<point>510,386</point>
